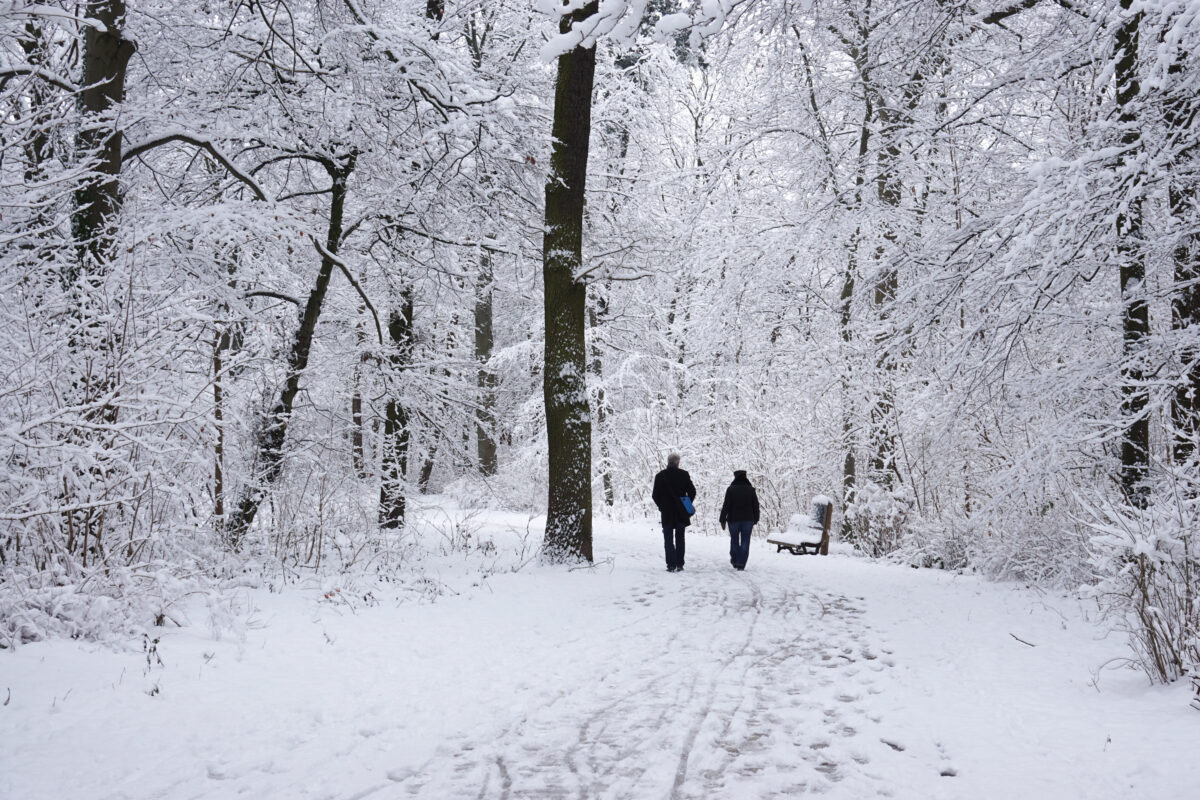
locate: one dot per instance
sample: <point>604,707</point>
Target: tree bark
<point>272,434</point>
<point>568,421</point>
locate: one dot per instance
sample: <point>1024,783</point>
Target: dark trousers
<point>673,544</point>
<point>739,542</point>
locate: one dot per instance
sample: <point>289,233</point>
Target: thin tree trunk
<point>883,434</point>
<point>596,315</point>
<point>272,434</point>
<point>849,443</point>
<point>358,453</point>
<point>357,449</point>
<point>1185,316</point>
<point>426,474</point>
<point>1180,114</point>
<point>219,423</point>
<point>846,318</point>
<point>485,418</point>
<point>1135,313</point>
<point>568,423</point>
<point>39,148</point>
<point>392,501</point>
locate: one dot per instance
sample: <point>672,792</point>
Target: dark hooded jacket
<point>670,485</point>
<point>741,501</point>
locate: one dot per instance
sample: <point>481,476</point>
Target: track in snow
<point>756,684</point>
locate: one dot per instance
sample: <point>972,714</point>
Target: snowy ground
<point>800,675</point>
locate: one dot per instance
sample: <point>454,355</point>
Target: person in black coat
<point>740,513</point>
<point>671,485</point>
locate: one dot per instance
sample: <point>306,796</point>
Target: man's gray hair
<point>673,460</point>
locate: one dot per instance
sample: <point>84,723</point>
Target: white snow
<point>830,675</point>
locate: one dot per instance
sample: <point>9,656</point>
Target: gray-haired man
<point>671,485</point>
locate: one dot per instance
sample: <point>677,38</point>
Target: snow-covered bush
<point>1148,565</point>
<point>879,518</point>
<point>939,545</point>
<point>1033,542</point>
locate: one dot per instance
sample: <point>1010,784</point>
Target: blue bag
<point>687,505</point>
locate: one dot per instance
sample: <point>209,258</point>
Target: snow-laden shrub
<point>878,518</point>
<point>1148,565</point>
<point>1017,539</point>
<point>41,605</point>
<point>1039,544</point>
<point>114,605</point>
<point>937,545</point>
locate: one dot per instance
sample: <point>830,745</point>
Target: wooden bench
<point>814,540</point>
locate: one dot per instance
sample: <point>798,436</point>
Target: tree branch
<point>287,298</point>
<point>340,264</point>
<point>7,73</point>
<point>204,144</point>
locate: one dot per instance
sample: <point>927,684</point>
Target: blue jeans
<point>739,542</point>
<point>673,544</point>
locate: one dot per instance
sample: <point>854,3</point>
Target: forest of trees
<point>272,268</point>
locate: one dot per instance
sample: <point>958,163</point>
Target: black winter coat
<point>670,485</point>
<point>741,502</point>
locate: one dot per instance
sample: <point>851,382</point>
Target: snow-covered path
<point>690,694</point>
<point>801,675</point>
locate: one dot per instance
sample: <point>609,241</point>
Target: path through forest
<point>828,676</point>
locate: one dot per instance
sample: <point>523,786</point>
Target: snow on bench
<point>807,535</point>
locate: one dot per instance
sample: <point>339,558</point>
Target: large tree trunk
<point>272,433</point>
<point>568,422</point>
<point>1135,313</point>
<point>106,55</point>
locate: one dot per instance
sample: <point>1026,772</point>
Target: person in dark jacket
<point>671,485</point>
<point>740,513</point>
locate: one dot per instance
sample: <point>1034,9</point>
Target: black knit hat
<point>739,473</point>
